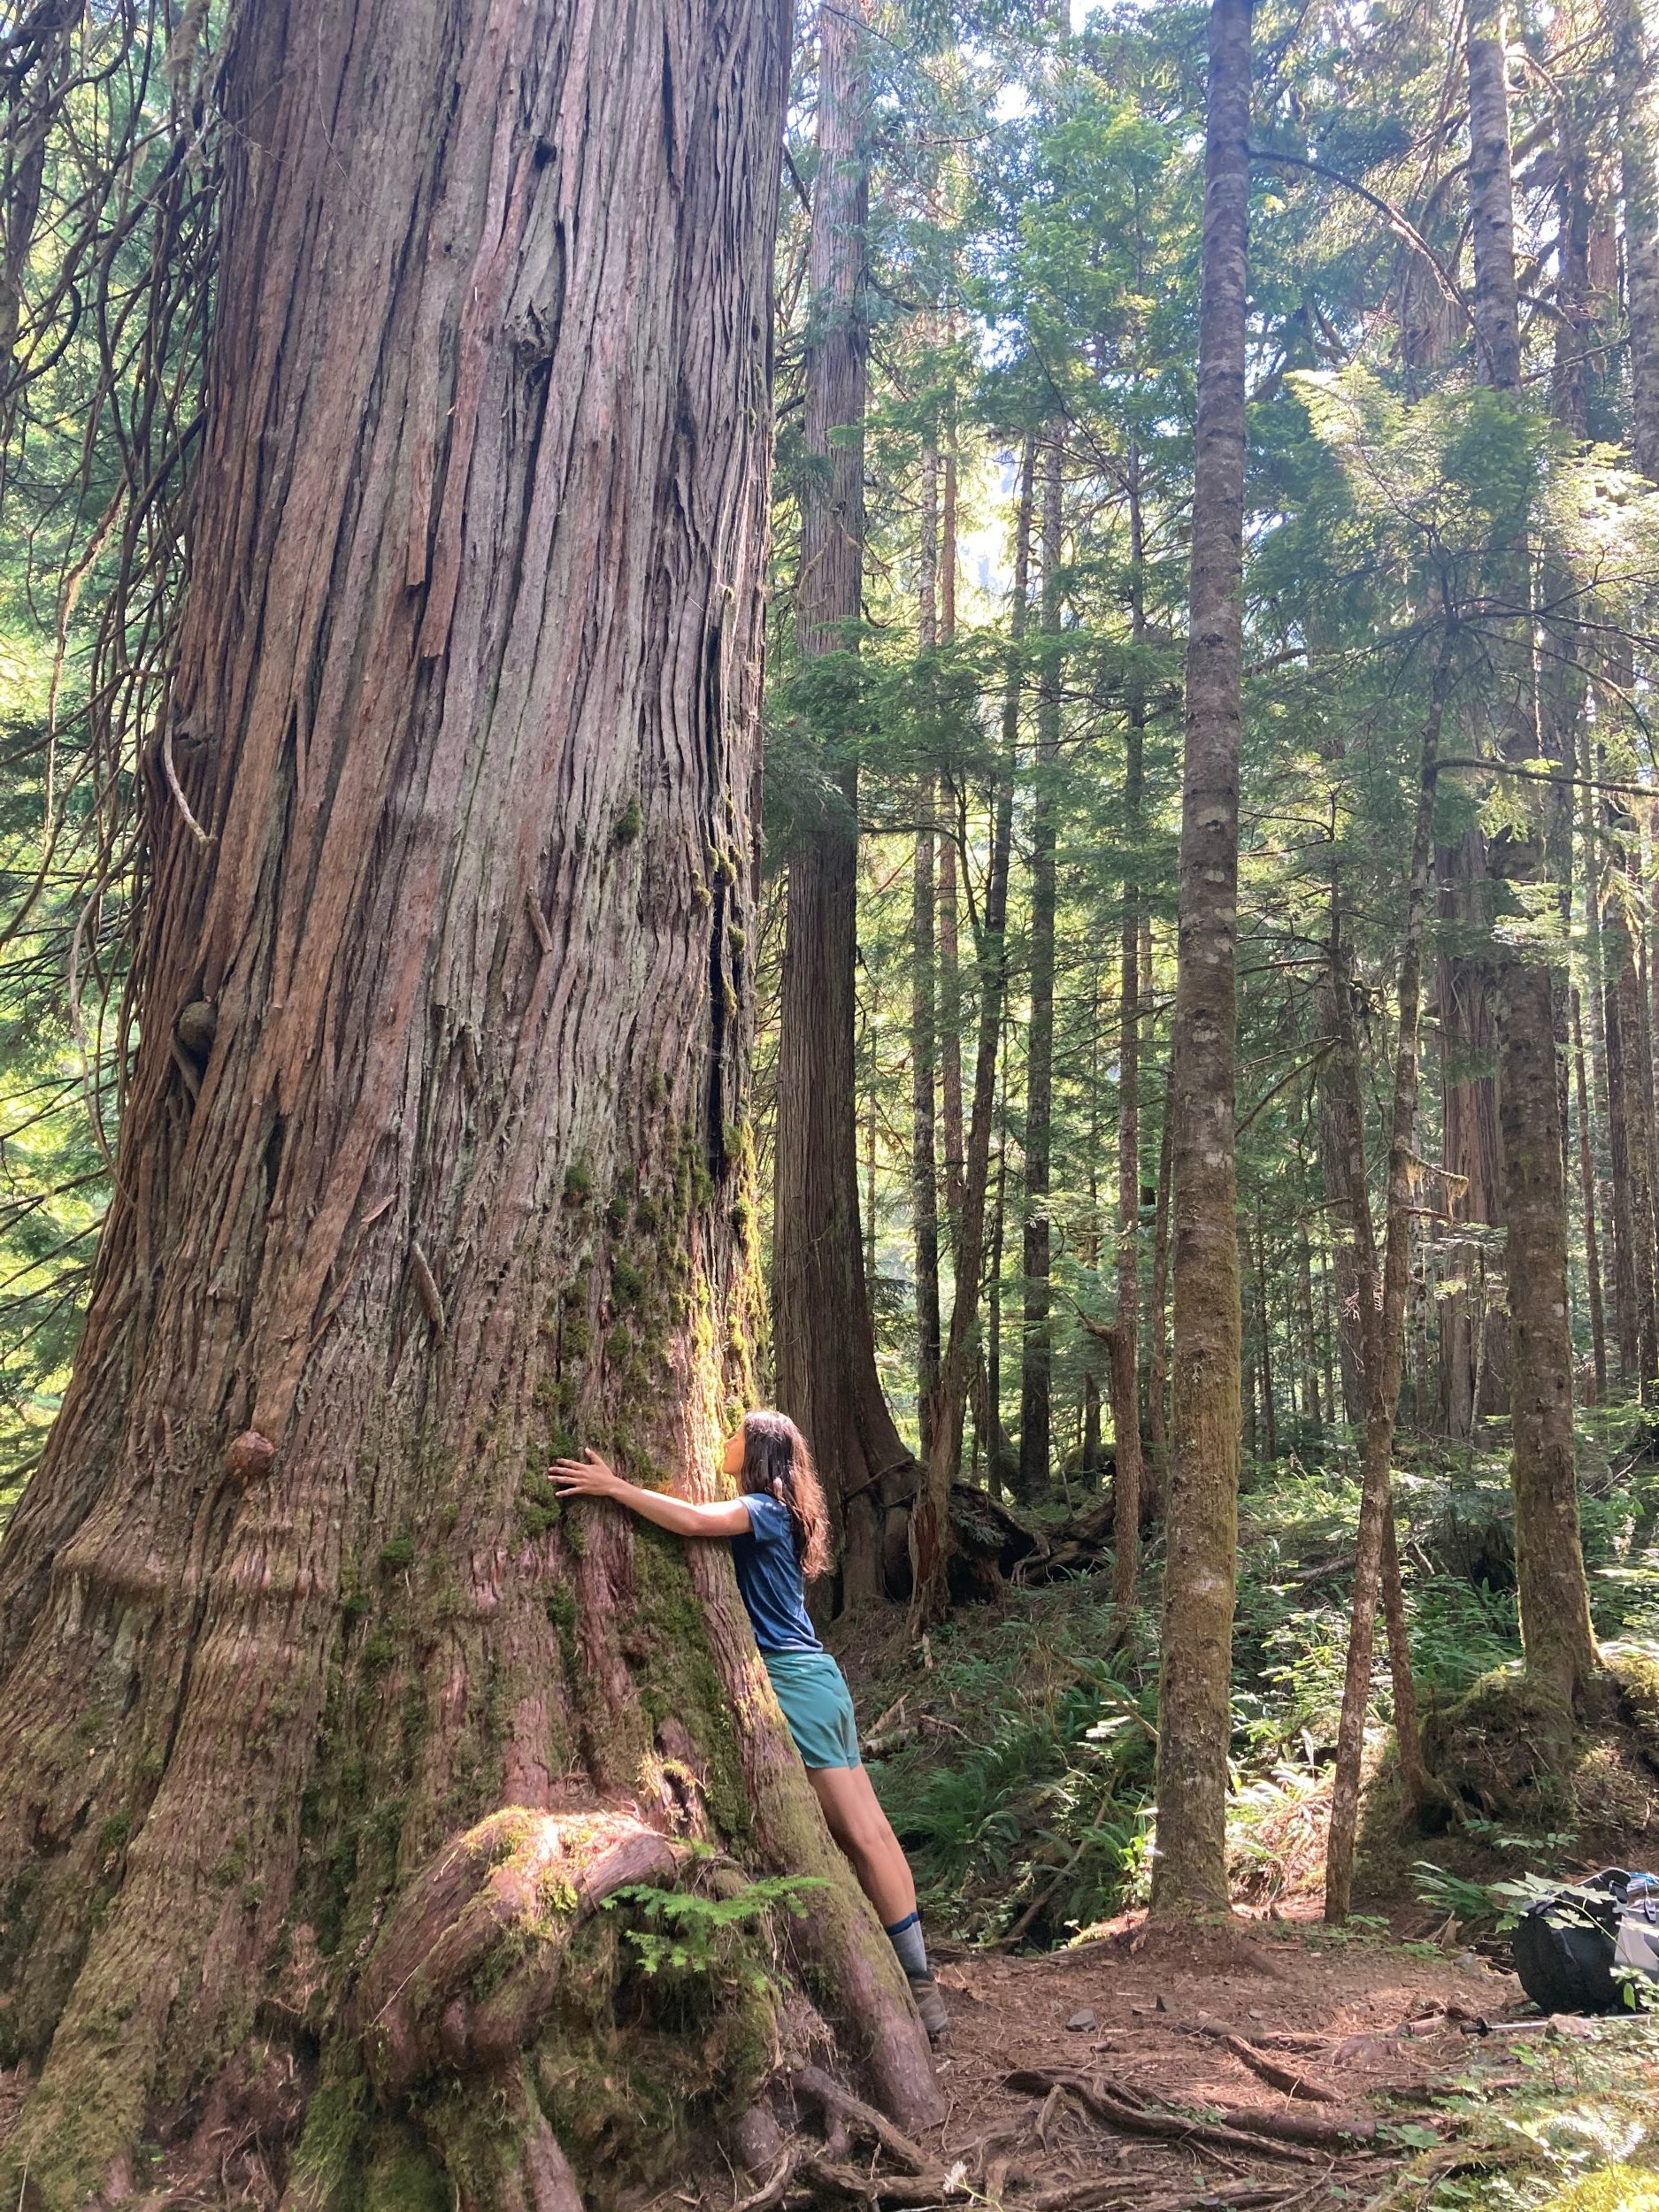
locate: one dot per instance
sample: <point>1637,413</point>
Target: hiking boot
<point>930,2002</point>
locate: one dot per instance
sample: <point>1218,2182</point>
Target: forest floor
<point>1311,2070</point>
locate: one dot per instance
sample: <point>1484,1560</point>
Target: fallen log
<point>1296,2082</point>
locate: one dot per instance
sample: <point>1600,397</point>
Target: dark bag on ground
<point>1592,1947</point>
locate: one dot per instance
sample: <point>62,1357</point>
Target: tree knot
<point>250,1458</point>
<point>470,1962</point>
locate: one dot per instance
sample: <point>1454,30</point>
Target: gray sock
<point>905,1936</point>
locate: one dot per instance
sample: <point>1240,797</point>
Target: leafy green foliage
<point>693,1932</point>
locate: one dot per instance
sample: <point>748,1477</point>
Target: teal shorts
<point>818,1706</point>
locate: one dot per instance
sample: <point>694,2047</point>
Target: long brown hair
<point>777,1464</point>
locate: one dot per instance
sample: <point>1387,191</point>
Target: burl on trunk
<point>323,1735</point>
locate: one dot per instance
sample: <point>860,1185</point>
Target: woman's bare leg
<point>863,1831</point>
<point>866,1834</point>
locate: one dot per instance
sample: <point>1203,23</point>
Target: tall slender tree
<point>1036,1367</point>
<point>962,1365</point>
<point>824,1338</point>
<point>1124,1346</point>
<point>1557,1634</point>
<point>1383,1313</point>
<point>924,994</point>
<point>1190,1869</point>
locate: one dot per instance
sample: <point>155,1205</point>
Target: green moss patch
<point>1498,1748</point>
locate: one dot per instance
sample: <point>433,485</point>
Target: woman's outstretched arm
<point>590,1478</point>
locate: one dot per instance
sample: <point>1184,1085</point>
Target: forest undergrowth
<point>1017,1760</point>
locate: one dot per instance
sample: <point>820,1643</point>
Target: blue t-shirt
<point>769,1578</point>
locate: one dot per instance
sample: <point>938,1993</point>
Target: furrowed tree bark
<point>823,1336</point>
<point>1189,1871</point>
<point>1558,1643</point>
<point>1036,1365</point>
<point>1385,1335</point>
<point>323,1731</point>
<point>930,1516</point>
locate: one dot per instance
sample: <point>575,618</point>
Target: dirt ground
<point>1365,2032</point>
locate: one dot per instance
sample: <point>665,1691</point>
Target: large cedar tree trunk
<point>822,1334</point>
<point>1189,1872</point>
<point>324,1729</point>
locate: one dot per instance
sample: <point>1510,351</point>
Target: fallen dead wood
<point>1238,2127</point>
<point>1259,2039</point>
<point>1295,2082</point>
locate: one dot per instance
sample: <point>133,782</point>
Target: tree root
<point>472,1975</point>
<point>860,2119</point>
<point>1296,2136</point>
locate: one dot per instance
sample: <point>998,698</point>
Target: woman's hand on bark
<point>589,1476</point>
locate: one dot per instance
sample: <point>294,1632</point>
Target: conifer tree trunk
<point>923,1002</point>
<point>1556,1636</point>
<point>1189,1872</point>
<point>1382,1311</point>
<point>824,1341</point>
<point>1474,1336</point>
<point>1636,92</point>
<point>323,1731</point>
<point>1310,1332</point>
<point>1036,1340</point>
<point>1124,1346</point>
<point>1158,1334</point>
<point>960,1366</point>
<point>1567,691</point>
<point>1586,1192</point>
<point>949,952</point>
<point>1255,1264</point>
<point>1632,1273</point>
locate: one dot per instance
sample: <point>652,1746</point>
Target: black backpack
<point>1592,1947</point>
